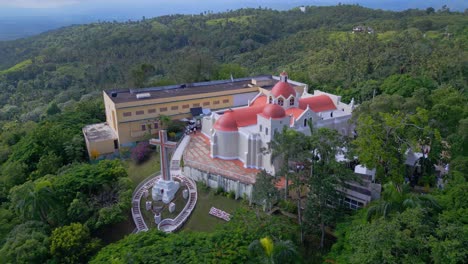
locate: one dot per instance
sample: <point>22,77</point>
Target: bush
<point>219,191</point>
<point>288,206</point>
<point>203,186</point>
<point>141,152</point>
<point>231,195</point>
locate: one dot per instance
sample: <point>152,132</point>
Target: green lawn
<point>200,220</point>
<point>139,172</point>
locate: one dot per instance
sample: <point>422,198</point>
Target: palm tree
<point>397,198</point>
<point>34,200</point>
<point>288,145</point>
<point>267,251</point>
<point>164,121</point>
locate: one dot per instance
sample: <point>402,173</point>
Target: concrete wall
<point>101,147</point>
<point>215,181</point>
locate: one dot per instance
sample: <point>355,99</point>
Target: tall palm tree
<point>288,145</point>
<point>34,200</point>
<point>267,251</point>
<point>397,198</point>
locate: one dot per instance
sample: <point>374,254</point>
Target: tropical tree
<point>26,243</point>
<point>327,178</point>
<point>397,198</point>
<point>264,191</point>
<point>72,244</point>
<point>35,200</point>
<point>287,146</point>
<point>164,121</point>
<point>266,250</point>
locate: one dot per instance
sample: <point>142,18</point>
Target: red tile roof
<point>318,103</point>
<point>284,89</point>
<point>296,112</point>
<point>273,111</point>
<point>226,122</point>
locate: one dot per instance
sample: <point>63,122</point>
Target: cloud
<point>38,3</point>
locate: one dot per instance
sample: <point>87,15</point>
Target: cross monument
<point>165,188</point>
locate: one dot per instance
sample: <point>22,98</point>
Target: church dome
<point>273,111</point>
<point>283,88</point>
<point>226,122</point>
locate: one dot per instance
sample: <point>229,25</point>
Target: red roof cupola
<point>283,87</point>
<point>226,122</point>
<point>273,111</point>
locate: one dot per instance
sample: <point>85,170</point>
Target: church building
<point>241,133</point>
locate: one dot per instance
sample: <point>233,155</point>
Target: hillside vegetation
<point>409,77</point>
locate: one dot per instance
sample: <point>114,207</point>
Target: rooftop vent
<point>143,95</point>
<point>114,94</point>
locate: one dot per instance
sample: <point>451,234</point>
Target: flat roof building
<point>133,114</point>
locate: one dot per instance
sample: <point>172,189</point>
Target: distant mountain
<point>22,22</point>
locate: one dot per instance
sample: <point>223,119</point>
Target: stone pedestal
<point>148,205</point>
<point>185,194</point>
<point>164,190</point>
<point>157,218</point>
<point>145,193</point>
<point>171,207</point>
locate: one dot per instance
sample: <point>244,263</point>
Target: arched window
<point>270,99</point>
<point>291,101</point>
<point>305,122</point>
<point>280,101</point>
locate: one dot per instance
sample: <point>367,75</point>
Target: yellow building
<point>131,114</point>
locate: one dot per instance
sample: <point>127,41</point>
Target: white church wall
<point>215,181</point>
<point>207,125</point>
<point>243,148</point>
<point>226,145</point>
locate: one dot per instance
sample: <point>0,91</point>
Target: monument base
<point>164,190</point>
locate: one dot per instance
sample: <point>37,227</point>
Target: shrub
<point>141,152</point>
<point>231,195</point>
<point>219,190</point>
<point>288,206</point>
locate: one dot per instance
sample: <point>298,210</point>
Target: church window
<point>225,101</point>
<point>266,131</point>
<point>143,127</point>
<point>127,114</point>
<point>185,106</point>
<point>261,127</point>
<point>196,105</point>
<point>206,103</point>
<point>305,122</point>
<point>175,107</point>
<point>151,111</point>
<point>163,109</point>
<point>270,100</point>
<point>291,101</point>
<point>140,112</point>
<point>280,101</point>
<point>216,102</point>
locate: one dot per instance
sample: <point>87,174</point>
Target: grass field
<point>139,172</point>
<point>200,220</point>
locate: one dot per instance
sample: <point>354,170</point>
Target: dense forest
<point>409,75</point>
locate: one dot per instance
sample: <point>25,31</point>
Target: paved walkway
<point>197,155</point>
<point>166,225</point>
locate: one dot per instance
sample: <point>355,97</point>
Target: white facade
<point>244,133</point>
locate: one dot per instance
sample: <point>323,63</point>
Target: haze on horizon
<point>20,18</point>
